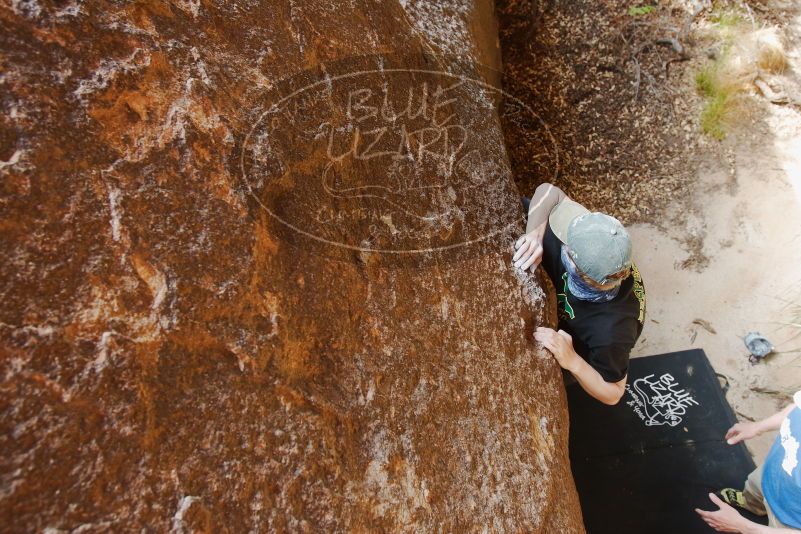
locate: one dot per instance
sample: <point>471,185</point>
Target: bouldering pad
<point>646,463</point>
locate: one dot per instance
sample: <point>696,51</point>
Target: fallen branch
<point>705,325</point>
<point>685,30</point>
<point>769,93</point>
<point>772,392</point>
<point>673,43</point>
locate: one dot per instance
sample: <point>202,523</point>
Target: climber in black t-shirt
<point>600,294</point>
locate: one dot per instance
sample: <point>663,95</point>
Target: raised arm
<point>529,247</point>
<point>546,196</point>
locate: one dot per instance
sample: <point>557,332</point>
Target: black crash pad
<point>644,465</point>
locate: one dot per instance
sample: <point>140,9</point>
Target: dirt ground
<point>745,275</point>
<point>716,223</point>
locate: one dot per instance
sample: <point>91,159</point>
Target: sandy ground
<point>746,208</point>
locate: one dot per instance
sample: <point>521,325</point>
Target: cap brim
<point>562,215</point>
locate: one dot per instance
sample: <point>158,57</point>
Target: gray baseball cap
<point>598,243</point>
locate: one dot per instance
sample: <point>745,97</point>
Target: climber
<point>600,294</point>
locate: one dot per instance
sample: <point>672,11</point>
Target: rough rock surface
<point>607,89</point>
<point>211,323</point>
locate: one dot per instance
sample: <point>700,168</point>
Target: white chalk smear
<point>13,160</point>
<point>183,507</point>
<point>114,208</point>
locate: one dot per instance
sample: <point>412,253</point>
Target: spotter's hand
<point>724,520</point>
<point>560,344</point>
<point>528,251</point>
<point>741,432</point>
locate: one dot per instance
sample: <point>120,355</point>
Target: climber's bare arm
<point>561,346</point>
<point>528,252</point>
<point>593,383</point>
<point>546,196</point>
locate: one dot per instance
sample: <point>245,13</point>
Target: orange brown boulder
<point>256,274</point>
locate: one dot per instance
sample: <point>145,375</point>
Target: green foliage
<point>718,100</point>
<point>641,10</point>
<point>719,96</point>
<point>716,108</point>
<point>705,81</point>
<point>726,17</point>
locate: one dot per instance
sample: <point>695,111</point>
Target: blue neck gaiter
<point>579,288</point>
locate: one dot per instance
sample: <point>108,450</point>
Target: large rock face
<point>256,275</point>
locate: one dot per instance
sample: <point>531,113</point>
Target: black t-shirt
<point>603,332</point>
